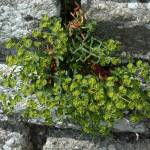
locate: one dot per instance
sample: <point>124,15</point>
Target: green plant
<point>68,71</point>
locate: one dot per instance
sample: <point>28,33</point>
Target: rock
<point>3,117</point>
<point>19,17</point>
<point>46,138</point>
<point>111,147</point>
<point>68,144</point>
<point>125,125</point>
<point>14,135</point>
<point>126,21</point>
<point>137,145</point>
<point>69,140</point>
<point>13,141</point>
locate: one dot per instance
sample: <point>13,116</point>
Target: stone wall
<point>27,136</point>
<point>127,21</point>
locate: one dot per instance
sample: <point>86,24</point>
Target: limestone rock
<point>125,125</point>
<point>19,17</point>
<point>13,141</point>
<point>68,144</point>
<point>124,20</point>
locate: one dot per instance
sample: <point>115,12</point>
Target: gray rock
<point>53,143</point>
<point>10,140</point>
<point>19,17</point>
<point>138,145</point>
<point>3,118</point>
<point>69,143</point>
<point>125,125</point>
<point>111,147</point>
<point>126,21</point>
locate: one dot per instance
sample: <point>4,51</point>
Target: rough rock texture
<point>12,141</point>
<point>73,144</point>
<point>72,140</point>
<point>125,125</point>
<point>124,20</point>
<point>14,135</point>
<point>18,17</point>
<point>17,137</point>
<point>68,144</point>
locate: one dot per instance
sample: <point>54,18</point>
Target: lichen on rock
<point>19,17</point>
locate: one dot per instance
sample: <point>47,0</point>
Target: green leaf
<point>37,44</point>
<point>122,90</point>
<point>27,43</point>
<point>10,44</point>
<point>11,60</point>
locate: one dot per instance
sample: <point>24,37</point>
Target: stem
<point>124,99</point>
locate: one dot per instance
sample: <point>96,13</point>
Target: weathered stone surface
<point>124,20</point>
<point>75,141</point>
<point>46,138</point>
<point>14,134</point>
<point>11,140</point>
<point>73,144</point>
<point>68,144</point>
<point>19,17</point>
<point>125,125</point>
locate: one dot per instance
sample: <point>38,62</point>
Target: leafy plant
<point>68,74</point>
